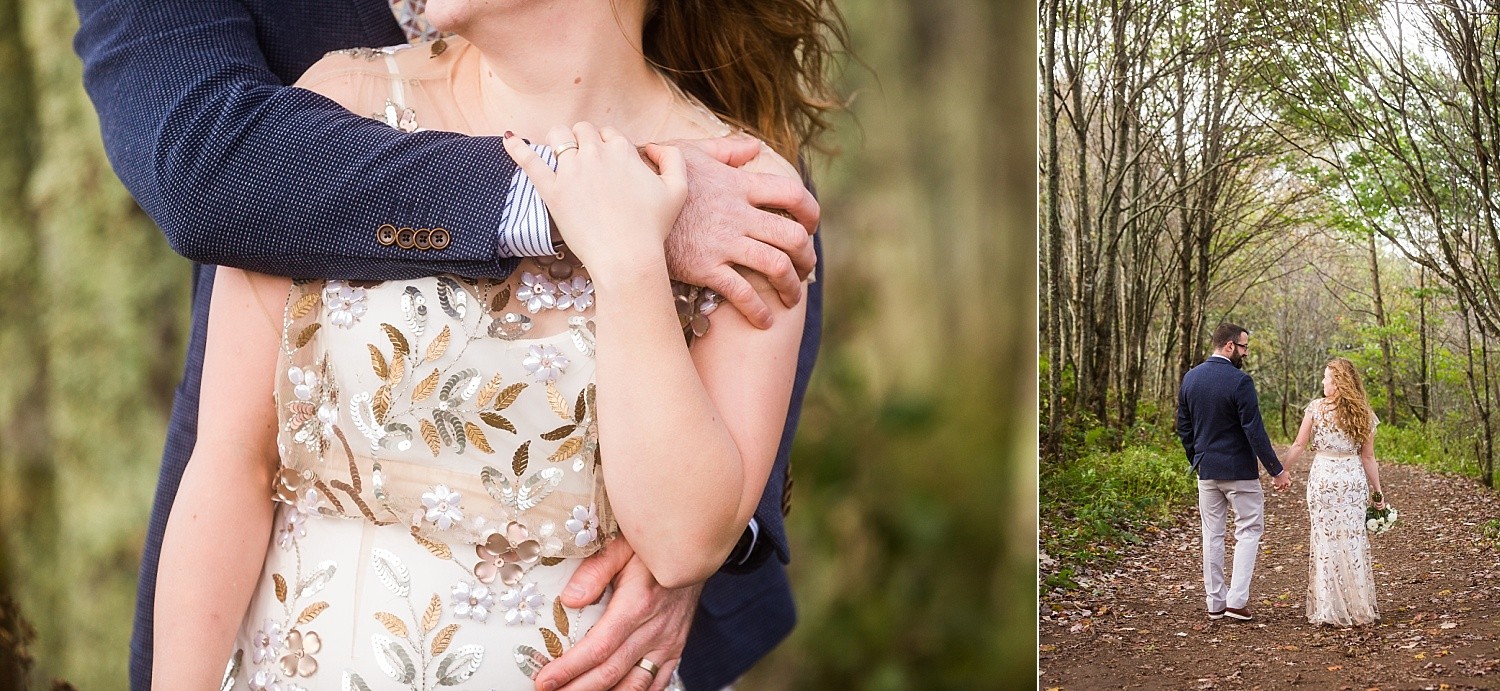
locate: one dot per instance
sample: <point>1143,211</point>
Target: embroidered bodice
<point>1327,437</point>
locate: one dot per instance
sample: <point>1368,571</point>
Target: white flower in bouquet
<point>1378,521</point>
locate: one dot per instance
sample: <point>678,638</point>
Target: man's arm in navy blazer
<point>1185,426</point>
<point>240,170</point>
<point>1248,403</point>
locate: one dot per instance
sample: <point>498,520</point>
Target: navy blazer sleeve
<point>239,169</point>
<point>1185,426</point>
<point>1248,403</point>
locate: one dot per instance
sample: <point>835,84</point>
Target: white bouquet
<point>1378,521</point>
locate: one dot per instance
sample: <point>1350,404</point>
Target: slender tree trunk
<point>1425,384</point>
<point>1385,336</point>
<point>1054,235</point>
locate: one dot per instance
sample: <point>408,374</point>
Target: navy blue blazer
<point>1218,420</point>
<point>239,170</point>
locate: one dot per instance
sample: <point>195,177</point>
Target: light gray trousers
<point>1215,497</point>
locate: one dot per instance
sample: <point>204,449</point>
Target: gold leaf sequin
<point>311,613</point>
<point>377,362</point>
<point>438,549</point>
<point>307,334</point>
<point>569,449</point>
<point>560,616</point>
<point>433,613</point>
<point>444,639</point>
<point>521,459</point>
<point>578,409</point>
<point>382,403</point>
<point>476,437</point>
<point>559,433</point>
<point>498,302</point>
<point>398,369</point>
<point>305,305</point>
<point>398,341</point>
<point>280,586</point>
<point>508,396</point>
<point>554,646</point>
<point>487,392</point>
<point>558,403</point>
<point>392,623</point>
<point>439,344</point>
<point>551,561</point>
<point>430,435</point>
<point>498,421</point>
<point>424,388</point>
<point>438,48</point>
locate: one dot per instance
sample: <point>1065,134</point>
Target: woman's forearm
<point>675,476</point>
<point>211,558</point>
<point>1372,472</point>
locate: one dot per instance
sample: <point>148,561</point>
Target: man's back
<point>1218,420</point>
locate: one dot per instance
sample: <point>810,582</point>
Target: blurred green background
<point>914,520</point>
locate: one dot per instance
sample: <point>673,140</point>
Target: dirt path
<point>1437,582</point>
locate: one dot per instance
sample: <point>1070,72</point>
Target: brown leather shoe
<point>1216,615</point>
<point>1240,613</point>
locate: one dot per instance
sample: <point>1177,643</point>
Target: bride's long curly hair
<point>1349,404</point>
<point>763,64</point>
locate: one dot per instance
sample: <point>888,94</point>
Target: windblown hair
<point>762,64</point>
<point>1349,404</point>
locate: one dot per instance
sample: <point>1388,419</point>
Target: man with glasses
<point>1218,420</point>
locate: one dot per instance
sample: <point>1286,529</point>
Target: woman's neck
<point>548,64</point>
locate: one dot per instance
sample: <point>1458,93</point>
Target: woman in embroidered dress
<point>1340,427</point>
<point>434,448</point>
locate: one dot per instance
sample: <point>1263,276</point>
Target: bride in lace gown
<point>442,451</point>
<point>1340,429</point>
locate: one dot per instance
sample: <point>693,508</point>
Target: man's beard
<point>1237,360</point>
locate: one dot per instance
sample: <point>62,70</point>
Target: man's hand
<point>1282,481</point>
<point>642,620</point>
<point>726,223</point>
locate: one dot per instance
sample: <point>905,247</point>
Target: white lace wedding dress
<point>1340,583</point>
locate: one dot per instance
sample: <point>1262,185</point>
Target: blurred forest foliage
<point>914,530</point>
<point>1323,174</point>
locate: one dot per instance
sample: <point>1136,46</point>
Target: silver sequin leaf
<point>391,572</point>
<point>459,665</point>
<point>461,386</point>
<point>510,326</point>
<point>451,430</point>
<point>397,437</point>
<point>393,659</point>
<point>310,586</point>
<point>353,682</point>
<point>414,306</point>
<point>583,337</point>
<point>232,672</point>
<point>530,660</point>
<point>525,498</point>
<point>363,415</point>
<point>452,297</point>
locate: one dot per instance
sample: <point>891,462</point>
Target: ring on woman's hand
<point>650,667</point>
<point>565,146</point>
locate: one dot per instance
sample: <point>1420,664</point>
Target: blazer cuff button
<point>423,239</point>
<point>406,238</point>
<point>386,234</point>
<point>440,238</point>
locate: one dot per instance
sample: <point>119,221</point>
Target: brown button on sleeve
<point>423,240</point>
<point>440,238</point>
<point>406,238</point>
<point>386,234</point>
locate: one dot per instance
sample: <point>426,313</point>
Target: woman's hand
<point>611,208</point>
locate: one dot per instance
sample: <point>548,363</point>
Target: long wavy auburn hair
<point>762,64</point>
<point>1349,404</point>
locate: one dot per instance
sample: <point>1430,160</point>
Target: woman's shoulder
<point>427,60</point>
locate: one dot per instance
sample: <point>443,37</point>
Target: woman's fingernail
<point>509,134</point>
<point>574,591</point>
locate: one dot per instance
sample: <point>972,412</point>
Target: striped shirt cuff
<point>525,227</point>
<point>754,538</point>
